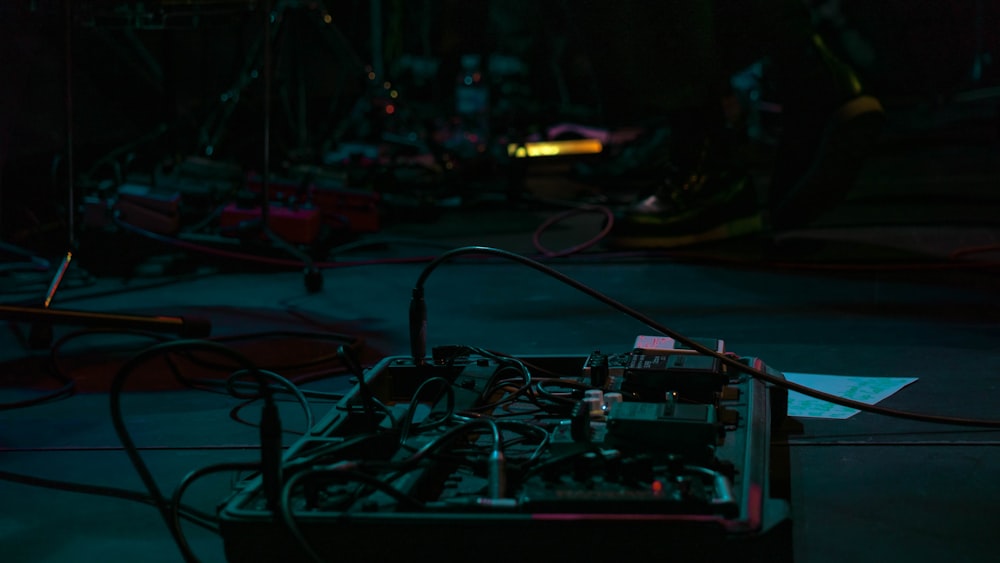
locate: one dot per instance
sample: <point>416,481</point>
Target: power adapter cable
<point>269,429</point>
<point>201,519</point>
<point>418,347</point>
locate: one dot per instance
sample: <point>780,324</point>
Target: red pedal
<point>299,226</point>
<point>343,208</point>
<point>157,211</point>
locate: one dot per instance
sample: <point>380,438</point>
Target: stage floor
<point>874,288</point>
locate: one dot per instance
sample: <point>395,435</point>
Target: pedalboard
<point>472,455</point>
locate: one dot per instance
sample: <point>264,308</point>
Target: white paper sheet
<point>869,390</point>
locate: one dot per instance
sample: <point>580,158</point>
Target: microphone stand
<point>261,225</point>
<point>42,318</point>
<point>313,276</point>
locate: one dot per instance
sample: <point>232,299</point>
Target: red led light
<point>657,487</point>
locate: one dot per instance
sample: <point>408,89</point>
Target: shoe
<point>825,141</point>
<point>705,206</point>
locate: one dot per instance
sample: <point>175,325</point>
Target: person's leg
<point>660,61</point>
<point>828,126</point>
<point>658,67</point>
<point>829,123</point>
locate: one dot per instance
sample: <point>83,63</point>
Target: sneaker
<point>699,208</point>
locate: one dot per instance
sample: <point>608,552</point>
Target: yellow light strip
<point>554,148</point>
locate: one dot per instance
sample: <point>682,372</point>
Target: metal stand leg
<point>42,318</point>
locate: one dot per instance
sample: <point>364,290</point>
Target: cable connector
<point>496,469</point>
<point>270,450</point>
<point>418,326</point>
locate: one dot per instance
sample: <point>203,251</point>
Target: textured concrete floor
<point>870,289</point>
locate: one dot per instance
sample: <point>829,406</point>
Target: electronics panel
<point>474,455</point>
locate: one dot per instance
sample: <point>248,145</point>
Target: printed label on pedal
<point>665,344</point>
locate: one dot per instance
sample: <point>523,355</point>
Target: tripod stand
<point>42,317</point>
<point>313,278</point>
<point>280,26</point>
<point>260,60</point>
